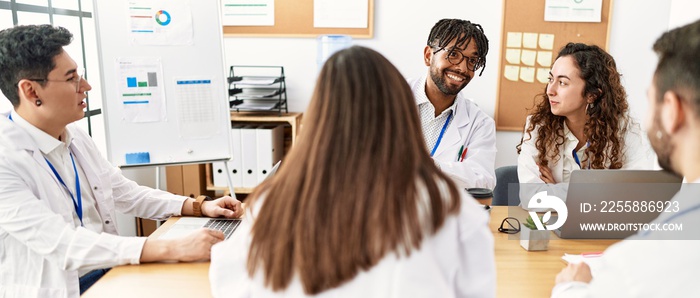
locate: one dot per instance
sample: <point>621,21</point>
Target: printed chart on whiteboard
<point>198,110</point>
<point>160,22</point>
<point>141,89</point>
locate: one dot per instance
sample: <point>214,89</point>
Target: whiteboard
<point>164,88</point>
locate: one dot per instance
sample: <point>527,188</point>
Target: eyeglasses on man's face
<point>509,225</point>
<point>456,57</point>
<point>76,79</point>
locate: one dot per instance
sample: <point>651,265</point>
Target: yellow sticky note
<point>528,57</point>
<point>513,56</point>
<point>527,74</point>
<point>514,39</point>
<point>530,40</point>
<point>543,75</point>
<point>544,58</point>
<point>546,41</point>
<point>511,72</point>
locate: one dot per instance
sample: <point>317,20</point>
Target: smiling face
<point>565,89</point>
<point>446,77</point>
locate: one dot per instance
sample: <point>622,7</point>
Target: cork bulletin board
<point>529,45</point>
<point>296,19</point>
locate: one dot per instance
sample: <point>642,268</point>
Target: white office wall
<point>683,12</point>
<point>400,36</point>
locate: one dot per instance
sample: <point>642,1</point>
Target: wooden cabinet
<point>290,122</point>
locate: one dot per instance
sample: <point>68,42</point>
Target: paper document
<point>259,81</point>
<point>593,260</point>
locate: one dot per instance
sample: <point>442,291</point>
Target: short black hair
<point>28,52</point>
<point>446,30</point>
<point>678,68</point>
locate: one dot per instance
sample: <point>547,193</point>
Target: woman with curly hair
<point>581,122</point>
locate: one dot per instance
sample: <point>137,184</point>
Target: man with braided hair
<point>460,137</point>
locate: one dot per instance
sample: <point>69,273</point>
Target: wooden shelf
<point>291,121</point>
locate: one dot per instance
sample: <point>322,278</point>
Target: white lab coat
<point>473,129</point>
<point>458,261</point>
<point>42,250</point>
<point>645,266</point>
<point>637,154</point>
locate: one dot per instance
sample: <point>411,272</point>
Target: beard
<point>440,81</point>
<point>662,145</point>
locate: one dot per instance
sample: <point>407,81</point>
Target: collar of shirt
<point>44,141</point>
<point>422,100</point>
<point>569,135</point>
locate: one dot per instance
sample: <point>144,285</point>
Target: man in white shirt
<point>460,137</point>
<point>659,263</point>
<point>58,195</point>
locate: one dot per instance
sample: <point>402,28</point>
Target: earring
<point>659,134</point>
<point>589,108</point>
<point>38,102</point>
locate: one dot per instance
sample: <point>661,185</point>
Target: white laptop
<point>187,225</point>
<point>597,200</point>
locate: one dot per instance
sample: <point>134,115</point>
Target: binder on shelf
<point>235,165</point>
<point>219,174</point>
<point>270,143</point>
<point>249,156</point>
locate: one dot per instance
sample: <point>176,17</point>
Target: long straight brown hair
<point>353,187</point>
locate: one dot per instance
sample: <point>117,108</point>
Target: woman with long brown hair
<point>580,122</point>
<point>358,208</point>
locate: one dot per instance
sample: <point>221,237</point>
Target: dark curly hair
<point>445,30</point>
<point>28,52</point>
<point>607,120</point>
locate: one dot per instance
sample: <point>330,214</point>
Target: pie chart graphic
<point>163,18</point>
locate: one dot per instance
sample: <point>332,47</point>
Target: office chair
<point>504,176</point>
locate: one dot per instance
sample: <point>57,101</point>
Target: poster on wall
<point>159,22</point>
<point>573,11</point>
<point>141,92</point>
<point>248,12</point>
<point>341,13</point>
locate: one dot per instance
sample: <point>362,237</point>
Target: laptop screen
<point>612,204</point>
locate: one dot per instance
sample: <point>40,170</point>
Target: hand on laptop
<point>194,247</point>
<point>225,206</point>
<point>575,272</point>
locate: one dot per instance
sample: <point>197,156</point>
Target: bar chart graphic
<point>141,89</point>
<point>151,80</point>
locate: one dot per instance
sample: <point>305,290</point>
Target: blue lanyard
<point>573,152</point>
<point>442,132</point>
<point>77,204</point>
